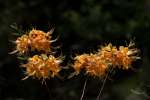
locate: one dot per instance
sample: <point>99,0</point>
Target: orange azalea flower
<point>36,40</point>
<point>92,64</point>
<point>80,62</point>
<point>107,53</point>
<point>22,44</point>
<point>42,67</point>
<point>125,56</point>
<point>40,40</point>
<point>97,64</point>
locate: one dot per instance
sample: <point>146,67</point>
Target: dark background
<point>82,25</point>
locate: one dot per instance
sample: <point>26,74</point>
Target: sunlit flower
<point>96,66</point>
<point>80,62</point>
<point>91,63</point>
<point>22,44</point>
<point>40,40</point>
<point>107,53</point>
<point>108,56</point>
<point>125,56</point>
<point>121,57</point>
<point>34,40</point>
<point>42,67</point>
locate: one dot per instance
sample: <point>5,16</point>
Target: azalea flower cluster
<point>107,56</point>
<point>34,40</point>
<point>41,66</point>
<point>46,65</point>
<point>91,63</point>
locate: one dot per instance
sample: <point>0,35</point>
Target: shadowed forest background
<point>82,26</point>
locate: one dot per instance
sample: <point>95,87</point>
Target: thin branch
<point>83,91</point>
<point>102,87</point>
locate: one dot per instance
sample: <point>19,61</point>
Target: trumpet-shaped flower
<point>40,40</point>
<point>42,67</point>
<point>22,44</point>
<point>92,64</point>
<point>108,56</point>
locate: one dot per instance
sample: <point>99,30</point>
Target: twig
<point>83,91</point>
<point>102,87</point>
